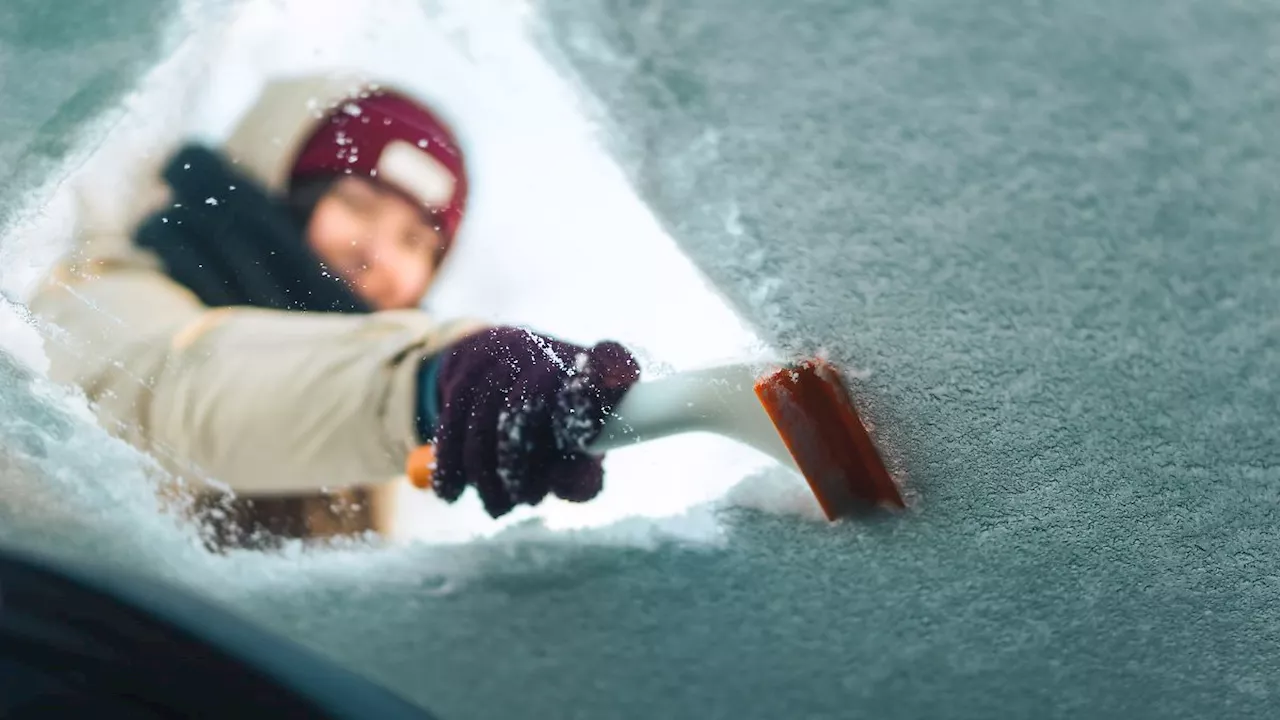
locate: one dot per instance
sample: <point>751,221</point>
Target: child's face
<point>377,241</point>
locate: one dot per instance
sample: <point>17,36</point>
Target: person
<point>258,328</point>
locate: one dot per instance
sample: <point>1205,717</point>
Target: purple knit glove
<point>517,412</point>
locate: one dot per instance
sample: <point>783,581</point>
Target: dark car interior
<point>82,642</point>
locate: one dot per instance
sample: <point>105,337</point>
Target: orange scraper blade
<point>815,416</point>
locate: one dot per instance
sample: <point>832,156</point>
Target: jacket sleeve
<point>263,401</point>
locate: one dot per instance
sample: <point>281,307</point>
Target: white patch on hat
<point>418,173</point>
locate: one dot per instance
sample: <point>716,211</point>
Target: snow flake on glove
<point>519,433</point>
<point>574,425</point>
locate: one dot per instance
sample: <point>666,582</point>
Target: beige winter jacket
<point>267,402</point>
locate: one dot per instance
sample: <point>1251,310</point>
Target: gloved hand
<point>517,411</point>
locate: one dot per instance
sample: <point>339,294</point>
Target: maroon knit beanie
<point>397,142</point>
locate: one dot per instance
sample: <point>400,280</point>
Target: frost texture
<point>1045,230</point>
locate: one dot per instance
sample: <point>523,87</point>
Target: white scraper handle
<point>719,400</point>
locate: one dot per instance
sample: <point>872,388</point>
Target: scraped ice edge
<point>777,491</point>
<point>422,570</point>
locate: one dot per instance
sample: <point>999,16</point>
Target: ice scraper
<point>800,415</point>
